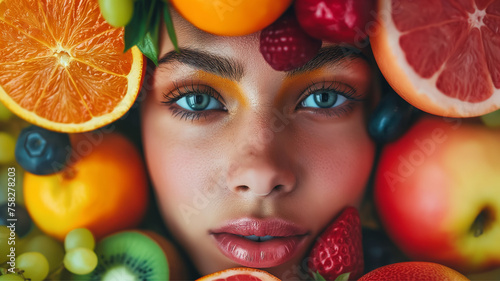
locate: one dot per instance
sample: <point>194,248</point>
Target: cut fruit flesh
<point>62,66</point>
<point>441,56</point>
<point>239,273</point>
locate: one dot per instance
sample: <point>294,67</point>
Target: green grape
<point>34,264</point>
<point>492,119</point>
<point>3,187</point>
<point>5,113</point>
<point>49,247</point>
<point>4,243</point>
<point>80,260</point>
<point>11,277</point>
<point>79,237</point>
<point>7,148</point>
<point>117,12</point>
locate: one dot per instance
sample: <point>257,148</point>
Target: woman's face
<point>236,149</point>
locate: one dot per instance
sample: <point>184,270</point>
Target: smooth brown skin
<point>303,165</point>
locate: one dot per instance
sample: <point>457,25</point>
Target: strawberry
<point>285,45</point>
<point>339,248</point>
<point>337,21</point>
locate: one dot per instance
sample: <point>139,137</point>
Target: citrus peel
<point>62,67</point>
<point>442,60</point>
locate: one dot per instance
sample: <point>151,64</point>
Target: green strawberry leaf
<point>343,277</point>
<point>170,26</point>
<point>318,277</point>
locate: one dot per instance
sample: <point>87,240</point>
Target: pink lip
<point>288,239</point>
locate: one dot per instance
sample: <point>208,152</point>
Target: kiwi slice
<point>129,256</point>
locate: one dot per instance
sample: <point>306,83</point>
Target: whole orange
<point>104,188</point>
<point>231,17</point>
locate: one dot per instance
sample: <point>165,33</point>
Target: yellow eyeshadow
<point>297,82</point>
<point>227,86</point>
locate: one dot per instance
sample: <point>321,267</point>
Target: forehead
<point>189,36</point>
<point>245,48</point>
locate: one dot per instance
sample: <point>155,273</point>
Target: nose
<point>261,167</point>
<point>261,177</point>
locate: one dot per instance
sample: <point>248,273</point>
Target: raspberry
<point>336,21</point>
<point>285,45</point>
<point>339,248</point>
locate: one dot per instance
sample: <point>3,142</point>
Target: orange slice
<point>442,56</point>
<point>239,274</point>
<point>62,66</point>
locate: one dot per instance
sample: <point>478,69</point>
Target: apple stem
<point>479,223</point>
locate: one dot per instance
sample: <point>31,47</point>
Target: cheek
<point>339,162</point>
<point>169,163</point>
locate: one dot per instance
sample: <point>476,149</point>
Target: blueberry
<point>42,152</point>
<point>23,223</point>
<point>379,250</point>
<point>391,119</point>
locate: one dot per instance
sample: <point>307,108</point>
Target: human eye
<point>329,98</point>
<point>323,99</point>
<point>198,102</point>
<point>191,102</point>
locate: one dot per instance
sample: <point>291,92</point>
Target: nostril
<point>278,188</point>
<point>242,188</point>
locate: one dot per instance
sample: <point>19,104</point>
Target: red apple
<point>437,192</point>
<point>413,271</point>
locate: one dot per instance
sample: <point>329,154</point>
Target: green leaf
<point>149,44</point>
<point>170,26</point>
<point>343,277</point>
<point>140,24</point>
<point>137,27</point>
<point>149,48</point>
<point>318,277</point>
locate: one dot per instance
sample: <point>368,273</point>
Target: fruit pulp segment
<point>121,273</point>
<point>239,277</point>
<point>455,42</point>
<point>466,76</point>
<point>72,58</point>
<point>491,42</point>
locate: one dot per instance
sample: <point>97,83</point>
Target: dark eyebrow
<point>328,55</point>
<point>224,67</point>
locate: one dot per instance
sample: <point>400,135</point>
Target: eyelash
<point>181,91</point>
<point>342,89</point>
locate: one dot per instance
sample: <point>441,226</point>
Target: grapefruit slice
<point>62,67</point>
<point>239,274</point>
<point>442,56</point>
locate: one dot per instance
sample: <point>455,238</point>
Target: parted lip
<point>261,227</point>
<point>277,242</point>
